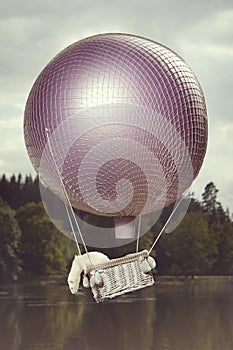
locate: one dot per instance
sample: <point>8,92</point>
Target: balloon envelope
<point>126,125</point>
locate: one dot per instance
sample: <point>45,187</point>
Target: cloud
<point>12,150</point>
<point>32,33</point>
<point>207,47</point>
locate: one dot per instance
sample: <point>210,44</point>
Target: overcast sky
<point>201,31</point>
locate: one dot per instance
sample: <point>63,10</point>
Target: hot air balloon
<point>116,125</point>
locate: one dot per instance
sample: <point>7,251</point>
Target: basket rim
<point>114,262</point>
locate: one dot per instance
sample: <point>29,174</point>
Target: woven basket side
<point>122,276</point>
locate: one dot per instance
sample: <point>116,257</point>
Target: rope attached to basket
<point>166,223</point>
<point>69,203</point>
<point>118,276</point>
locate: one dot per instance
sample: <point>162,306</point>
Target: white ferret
<point>80,264</point>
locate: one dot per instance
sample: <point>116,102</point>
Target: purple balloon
<point>127,125</point>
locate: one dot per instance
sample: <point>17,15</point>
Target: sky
<point>200,31</point>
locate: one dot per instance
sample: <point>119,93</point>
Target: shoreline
<point>198,279</point>
<point>159,279</point>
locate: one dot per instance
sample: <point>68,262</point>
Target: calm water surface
<point>162,317</point>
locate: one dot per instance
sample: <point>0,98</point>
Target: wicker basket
<point>120,276</point>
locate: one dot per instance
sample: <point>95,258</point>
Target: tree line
<point>30,244</point>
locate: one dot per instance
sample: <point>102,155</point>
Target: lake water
<point>191,316</point>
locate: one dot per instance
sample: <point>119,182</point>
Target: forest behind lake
<point>31,245</point>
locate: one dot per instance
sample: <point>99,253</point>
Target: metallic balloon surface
<point>126,121</point>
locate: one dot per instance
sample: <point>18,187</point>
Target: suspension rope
<point>138,232</point>
<point>166,223</point>
<point>72,229</point>
<point>71,208</point>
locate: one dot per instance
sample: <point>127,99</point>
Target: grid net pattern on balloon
<point>134,81</point>
<point>81,92</point>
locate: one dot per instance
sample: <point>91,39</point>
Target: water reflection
<point>196,317</point>
<point>191,316</point>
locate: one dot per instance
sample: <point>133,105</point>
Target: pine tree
<point>221,227</point>
<point>30,190</point>
<point>4,186</point>
<point>209,202</point>
<point>14,193</point>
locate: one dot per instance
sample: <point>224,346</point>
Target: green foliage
<point>224,263</point>
<point>9,243</point>
<point>221,226</point>
<point>44,250</point>
<point>190,249</point>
